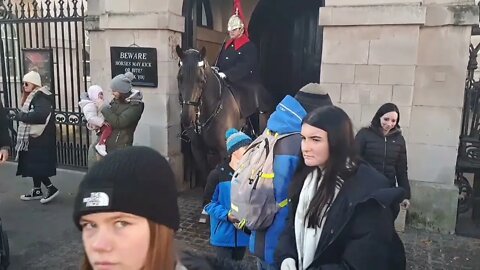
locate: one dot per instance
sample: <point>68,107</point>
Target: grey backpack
<point>252,194</point>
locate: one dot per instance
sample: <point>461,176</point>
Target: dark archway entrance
<point>289,40</point>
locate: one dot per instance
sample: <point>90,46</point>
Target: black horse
<point>209,109</point>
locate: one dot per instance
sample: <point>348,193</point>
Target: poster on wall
<point>41,61</point>
<point>141,61</point>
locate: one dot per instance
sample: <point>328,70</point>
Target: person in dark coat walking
<point>4,136</point>
<point>383,146</point>
<point>36,150</point>
<point>340,216</point>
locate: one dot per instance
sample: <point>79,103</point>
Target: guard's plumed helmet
<point>234,22</point>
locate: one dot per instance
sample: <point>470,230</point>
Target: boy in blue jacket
<point>228,241</point>
<point>287,118</point>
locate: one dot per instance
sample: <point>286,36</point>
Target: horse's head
<point>191,82</point>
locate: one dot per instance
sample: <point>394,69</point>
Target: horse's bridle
<point>198,126</point>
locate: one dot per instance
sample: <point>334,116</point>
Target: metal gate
<point>48,36</point>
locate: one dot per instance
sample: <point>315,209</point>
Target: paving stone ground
<point>425,250</point>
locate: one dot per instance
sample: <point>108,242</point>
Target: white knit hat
<point>33,77</point>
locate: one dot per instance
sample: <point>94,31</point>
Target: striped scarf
<point>24,130</point>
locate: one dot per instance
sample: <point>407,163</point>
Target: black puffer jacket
<point>358,233</point>
<point>387,154</point>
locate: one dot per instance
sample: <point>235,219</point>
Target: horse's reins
<point>198,126</point>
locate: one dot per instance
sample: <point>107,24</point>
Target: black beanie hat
<point>312,96</point>
<point>135,180</point>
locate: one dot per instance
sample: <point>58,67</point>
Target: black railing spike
<point>35,9</point>
<point>55,10</point>
<point>75,8</point>
<point>15,10</point>
<point>41,10</point>
<point>61,9</point>
<point>82,11</point>
<point>22,10</point>
<point>9,9</point>
<point>68,9</point>
<point>47,9</point>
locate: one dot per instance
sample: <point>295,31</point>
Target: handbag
<point>37,129</point>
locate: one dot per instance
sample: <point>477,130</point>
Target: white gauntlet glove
<point>288,264</point>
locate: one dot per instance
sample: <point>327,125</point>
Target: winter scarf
<point>307,238</point>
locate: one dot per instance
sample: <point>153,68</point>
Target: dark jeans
<point>233,253</point>
<point>37,182</point>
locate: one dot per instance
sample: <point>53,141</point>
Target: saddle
<point>251,96</point>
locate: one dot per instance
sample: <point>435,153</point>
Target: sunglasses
<point>26,84</point>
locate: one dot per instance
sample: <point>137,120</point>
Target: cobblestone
<point>425,251</point>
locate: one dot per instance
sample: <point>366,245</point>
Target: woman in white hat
<point>36,143</point>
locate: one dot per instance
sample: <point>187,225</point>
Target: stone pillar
<point>145,23</point>
<point>413,53</point>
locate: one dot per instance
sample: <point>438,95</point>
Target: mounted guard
<point>237,63</point>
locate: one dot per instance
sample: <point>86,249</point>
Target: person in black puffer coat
<point>383,146</point>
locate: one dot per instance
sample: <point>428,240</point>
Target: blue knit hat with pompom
<point>236,140</point>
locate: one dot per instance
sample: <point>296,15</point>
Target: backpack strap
<point>284,203</point>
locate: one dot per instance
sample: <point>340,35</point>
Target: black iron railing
<point>48,36</point>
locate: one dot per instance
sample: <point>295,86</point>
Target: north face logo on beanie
<point>97,199</point>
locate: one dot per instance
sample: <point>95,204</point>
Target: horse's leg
<point>199,153</point>
<point>254,120</point>
<point>200,166</point>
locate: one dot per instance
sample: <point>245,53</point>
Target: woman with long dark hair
<point>383,146</point>
<point>341,216</point>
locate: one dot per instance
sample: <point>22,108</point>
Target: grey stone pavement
<point>44,237</point>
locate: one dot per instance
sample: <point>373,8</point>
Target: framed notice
<point>142,62</point>
<point>41,61</point>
